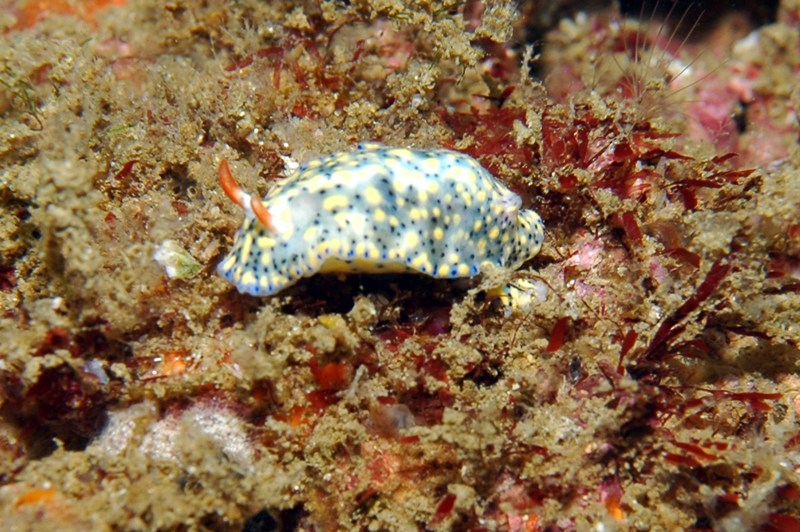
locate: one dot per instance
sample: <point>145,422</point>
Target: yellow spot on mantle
<point>411,240</point>
<point>420,260</point>
<point>335,201</point>
<point>430,165</point>
<point>329,247</point>
<point>265,242</point>
<point>246,247</point>
<point>229,262</point>
<point>402,153</point>
<point>417,214</point>
<point>373,196</point>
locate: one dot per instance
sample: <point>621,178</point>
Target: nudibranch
<point>378,209</point>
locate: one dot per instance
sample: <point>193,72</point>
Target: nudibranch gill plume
<point>378,209</point>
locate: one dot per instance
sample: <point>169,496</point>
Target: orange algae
<point>32,11</point>
<point>43,496</point>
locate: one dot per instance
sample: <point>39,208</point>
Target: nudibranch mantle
<point>379,209</point>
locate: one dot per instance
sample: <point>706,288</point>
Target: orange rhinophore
<point>240,197</point>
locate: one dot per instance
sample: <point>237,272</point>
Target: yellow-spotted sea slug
<point>378,209</point>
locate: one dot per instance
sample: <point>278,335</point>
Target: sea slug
<point>378,209</point>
